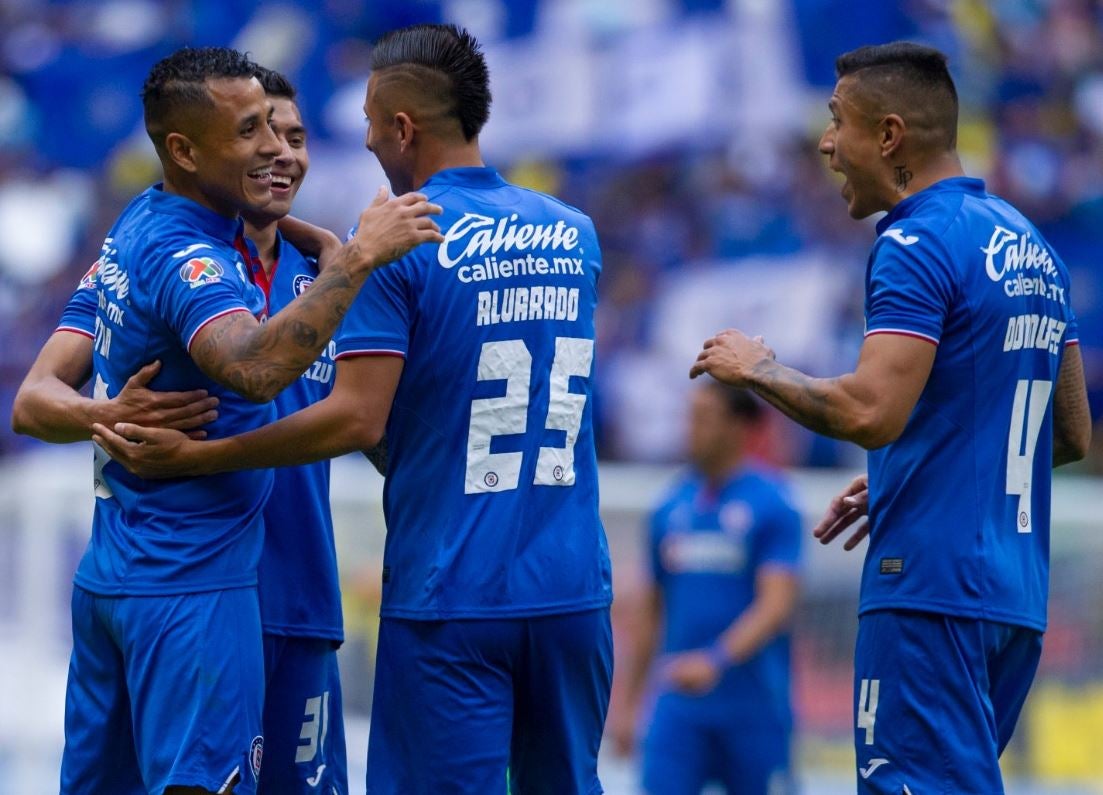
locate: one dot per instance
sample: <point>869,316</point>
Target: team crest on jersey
<point>201,270</point>
<point>88,280</point>
<point>301,282</point>
<point>256,755</point>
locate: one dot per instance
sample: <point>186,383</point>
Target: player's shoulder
<point>681,490</point>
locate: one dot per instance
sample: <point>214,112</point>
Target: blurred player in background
<point>475,356</point>
<point>969,388</point>
<point>724,547</point>
<point>166,678</point>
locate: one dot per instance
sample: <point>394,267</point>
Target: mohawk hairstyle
<point>275,84</point>
<point>444,51</point>
<point>908,79</point>
<point>178,83</point>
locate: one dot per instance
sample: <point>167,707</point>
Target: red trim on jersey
<point>1071,342</point>
<point>903,333</point>
<point>370,352</point>
<point>211,319</point>
<point>74,330</point>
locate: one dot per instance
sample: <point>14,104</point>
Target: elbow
<point>364,431</point>
<point>1074,447</point>
<point>871,430</point>
<point>21,420</point>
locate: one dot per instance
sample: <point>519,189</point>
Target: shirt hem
<point>102,589</point>
<point>530,611</point>
<point>956,610</point>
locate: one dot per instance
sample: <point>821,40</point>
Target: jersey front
<point>707,546</point>
<point>960,503</point>
<point>167,268</point>
<point>491,496</point>
<point>299,591</point>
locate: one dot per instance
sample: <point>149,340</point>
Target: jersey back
<point>960,503</point>
<point>169,267</point>
<point>491,497</point>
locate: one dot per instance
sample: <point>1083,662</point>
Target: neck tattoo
<point>903,177</point>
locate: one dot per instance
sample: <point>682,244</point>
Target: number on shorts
<point>867,706</point>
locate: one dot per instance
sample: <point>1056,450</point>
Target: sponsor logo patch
<point>201,270</point>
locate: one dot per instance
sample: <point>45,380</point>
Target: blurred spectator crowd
<point>686,128</point>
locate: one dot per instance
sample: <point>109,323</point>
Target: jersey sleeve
<point>911,285</point>
<point>780,540</point>
<point>79,315</point>
<point>378,322</point>
<point>194,290</point>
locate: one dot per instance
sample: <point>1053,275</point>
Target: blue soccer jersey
<point>960,503</point>
<point>491,496</point>
<point>168,267</point>
<point>707,546</point>
<point>299,591</point>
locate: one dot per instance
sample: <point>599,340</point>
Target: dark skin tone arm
<point>1072,422</point>
<point>352,417</point>
<point>258,361</point>
<point>49,407</point>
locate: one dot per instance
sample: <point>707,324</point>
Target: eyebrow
<point>251,118</point>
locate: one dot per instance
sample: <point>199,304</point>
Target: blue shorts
<point>936,699</point>
<point>458,702</point>
<point>304,727</point>
<point>164,691</point>
<point>685,749</point>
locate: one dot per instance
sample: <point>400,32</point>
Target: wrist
<point>720,656</point>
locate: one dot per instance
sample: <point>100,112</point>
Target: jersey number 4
<point>510,360</point>
<point>1027,413</point>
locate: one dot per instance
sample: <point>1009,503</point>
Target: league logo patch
<point>88,280</point>
<point>201,270</point>
<point>256,755</point>
<point>301,282</point>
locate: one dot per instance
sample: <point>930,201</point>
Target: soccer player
<point>969,387</point>
<point>724,548</point>
<point>166,677</point>
<point>476,357</point>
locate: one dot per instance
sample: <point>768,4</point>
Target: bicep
<point>1071,413</point>
<point>221,345</point>
<point>892,371</point>
<point>365,387</point>
<point>776,588</point>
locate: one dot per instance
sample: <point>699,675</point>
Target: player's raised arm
<point>258,361</point>
<point>1072,424</point>
<point>870,406</point>
<point>49,407</point>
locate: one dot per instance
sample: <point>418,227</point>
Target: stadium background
<point>687,129</point>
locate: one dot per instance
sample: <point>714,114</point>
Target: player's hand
<point>391,227</point>
<point>151,453</point>
<point>731,357</point>
<point>313,241</point>
<point>847,508</point>
<point>183,411</point>
<point>694,672</point>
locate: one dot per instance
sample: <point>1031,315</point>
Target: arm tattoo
<point>259,361</point>
<point>800,397</point>
<point>903,177</point>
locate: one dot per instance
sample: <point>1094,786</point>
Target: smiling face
<point>852,145</point>
<point>233,154</point>
<point>292,161</point>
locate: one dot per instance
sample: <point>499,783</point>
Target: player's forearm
<point>316,433</point>
<point>835,407</point>
<point>51,410</point>
<point>258,362</point>
<point>756,626</point>
<point>646,637</point>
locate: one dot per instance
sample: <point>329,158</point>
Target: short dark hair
<point>909,79</point>
<point>178,83</point>
<point>740,403</point>
<point>448,51</point>
<point>275,84</point>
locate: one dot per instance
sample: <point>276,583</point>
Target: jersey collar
<point>944,186</point>
<point>208,221</point>
<point>469,176</point>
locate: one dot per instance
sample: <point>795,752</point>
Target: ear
<point>890,134</point>
<point>405,127</point>
<point>181,151</point>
